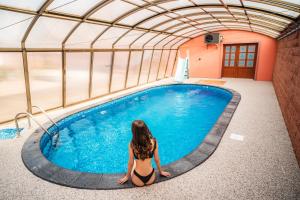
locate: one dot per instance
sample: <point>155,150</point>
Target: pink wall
<point>207,61</point>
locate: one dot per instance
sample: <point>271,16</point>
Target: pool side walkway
<point>260,166</point>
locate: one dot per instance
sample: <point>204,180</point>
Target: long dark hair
<point>141,139</point>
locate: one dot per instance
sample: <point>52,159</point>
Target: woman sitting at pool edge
<point>142,148</point>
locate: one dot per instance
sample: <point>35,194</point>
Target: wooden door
<point>239,60</point>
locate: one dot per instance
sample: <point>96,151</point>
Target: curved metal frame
<point>173,43</point>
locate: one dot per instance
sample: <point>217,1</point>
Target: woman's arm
<point>157,161</point>
<point>129,168</point>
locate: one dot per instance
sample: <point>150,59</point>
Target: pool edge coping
<point>35,161</point>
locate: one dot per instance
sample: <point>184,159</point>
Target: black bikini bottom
<point>144,179</point>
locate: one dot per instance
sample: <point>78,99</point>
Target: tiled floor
<point>260,166</point>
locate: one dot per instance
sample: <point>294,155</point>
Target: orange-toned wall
<point>206,61</point>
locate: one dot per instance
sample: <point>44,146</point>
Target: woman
<point>142,148</point>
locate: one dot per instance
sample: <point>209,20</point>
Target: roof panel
<point>109,37</point>
<point>78,7</point>
<point>142,40</point>
<point>12,28</point>
<point>155,40</point>
<point>168,25</point>
<point>178,27</point>
<point>84,35</point>
<point>189,11</point>
<point>49,32</point>
<point>165,41</point>
<point>175,46</point>
<point>261,14</point>
<point>215,9</point>
<point>186,30</point>
<point>204,2</point>
<point>113,10</point>
<point>172,5</point>
<point>232,2</point>
<point>154,21</point>
<point>137,17</point>
<point>271,8</point>
<point>127,39</point>
<point>24,4</point>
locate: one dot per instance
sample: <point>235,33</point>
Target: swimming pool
<point>95,140</point>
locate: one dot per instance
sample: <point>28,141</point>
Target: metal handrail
<point>49,118</point>
<point>28,116</point>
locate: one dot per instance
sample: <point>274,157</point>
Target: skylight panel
<point>142,40</point>
<point>156,9</point>
<point>232,2</point>
<point>78,7</point>
<point>180,43</point>
<point>113,10</point>
<point>127,39</point>
<point>109,37</point>
<point>258,14</point>
<point>237,10</point>
<point>172,5</point>
<point>200,16</point>
<point>215,10</point>
<point>49,33</point>
<point>155,40</point>
<point>189,11</point>
<point>83,36</point>
<point>12,28</point>
<point>165,41</point>
<point>168,25</point>
<point>171,43</point>
<point>185,31</point>
<point>177,28</point>
<point>204,2</point>
<point>154,21</point>
<point>274,9</point>
<point>34,5</point>
<point>137,17</point>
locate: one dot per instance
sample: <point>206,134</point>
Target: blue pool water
<point>8,133</point>
<point>96,140</point>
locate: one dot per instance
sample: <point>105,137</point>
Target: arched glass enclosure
<point>57,53</point>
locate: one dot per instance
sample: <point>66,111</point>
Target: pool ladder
<point>30,116</point>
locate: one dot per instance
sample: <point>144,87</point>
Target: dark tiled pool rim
<point>35,161</point>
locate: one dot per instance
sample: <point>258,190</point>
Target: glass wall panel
<point>49,32</point>
<point>12,28</point>
<point>145,66</point>
<point>77,76</point>
<point>154,65</point>
<point>12,86</point>
<point>171,63</point>
<point>134,67</point>
<point>119,70</point>
<point>45,75</point>
<point>163,64</point>
<point>101,73</point>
